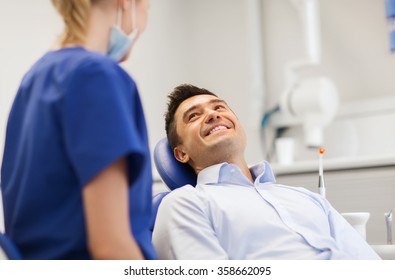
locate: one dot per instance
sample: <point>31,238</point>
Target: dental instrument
<point>388,222</point>
<point>321,184</point>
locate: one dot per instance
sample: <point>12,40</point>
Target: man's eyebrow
<point>194,107</point>
<point>186,113</point>
<point>215,101</point>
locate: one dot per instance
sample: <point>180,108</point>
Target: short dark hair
<point>175,98</point>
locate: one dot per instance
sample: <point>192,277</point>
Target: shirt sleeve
<point>183,230</point>
<point>98,120</point>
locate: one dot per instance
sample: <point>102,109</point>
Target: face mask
<point>120,43</point>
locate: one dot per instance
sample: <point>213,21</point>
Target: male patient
<point>237,212</point>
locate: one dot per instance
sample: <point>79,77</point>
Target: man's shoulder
<point>187,193</point>
<point>182,191</point>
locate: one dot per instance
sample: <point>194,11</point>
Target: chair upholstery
<point>156,200</point>
<point>8,249</point>
<point>173,173</point>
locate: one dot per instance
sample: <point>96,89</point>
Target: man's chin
<point>222,143</point>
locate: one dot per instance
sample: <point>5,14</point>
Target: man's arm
<point>183,229</point>
<point>106,207</point>
<point>348,239</point>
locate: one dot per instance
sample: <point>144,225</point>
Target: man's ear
<point>180,155</point>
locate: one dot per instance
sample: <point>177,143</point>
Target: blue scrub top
<point>75,113</point>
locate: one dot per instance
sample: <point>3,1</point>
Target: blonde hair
<point>75,15</point>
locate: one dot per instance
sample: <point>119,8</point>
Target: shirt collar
<point>225,173</point>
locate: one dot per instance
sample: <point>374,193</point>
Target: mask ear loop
<point>135,29</point>
<point>134,15</point>
<point>119,16</point>
<point>134,19</point>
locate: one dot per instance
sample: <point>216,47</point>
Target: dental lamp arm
<point>313,102</point>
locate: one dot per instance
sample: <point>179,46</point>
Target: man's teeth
<point>217,128</point>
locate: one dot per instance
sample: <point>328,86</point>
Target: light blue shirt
<point>227,217</point>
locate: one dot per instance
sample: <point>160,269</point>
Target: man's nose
<point>212,115</point>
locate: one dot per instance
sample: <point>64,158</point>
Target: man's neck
<point>241,163</point>
<point>244,169</point>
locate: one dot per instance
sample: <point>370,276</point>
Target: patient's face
<point>209,131</point>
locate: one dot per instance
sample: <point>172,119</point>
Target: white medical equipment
<point>310,101</point>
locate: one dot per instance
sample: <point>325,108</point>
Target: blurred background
<point>242,50</point>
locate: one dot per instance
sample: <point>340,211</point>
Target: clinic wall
<point>207,43</point>
<point>355,46</point>
<point>211,44</point>
<point>218,45</point>
<point>355,55</point>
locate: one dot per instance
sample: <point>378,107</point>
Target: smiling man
<point>202,142</point>
<point>237,212</point>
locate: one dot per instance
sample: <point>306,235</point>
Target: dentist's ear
<point>180,155</point>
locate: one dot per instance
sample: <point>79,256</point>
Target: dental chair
<point>8,249</point>
<point>173,173</point>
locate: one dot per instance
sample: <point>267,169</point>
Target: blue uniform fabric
<point>75,113</point>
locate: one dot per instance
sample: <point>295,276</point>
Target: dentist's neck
<point>99,28</point>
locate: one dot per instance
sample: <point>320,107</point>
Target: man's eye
<point>218,107</point>
<point>191,116</point>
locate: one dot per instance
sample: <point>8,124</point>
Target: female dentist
<point>76,173</point>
